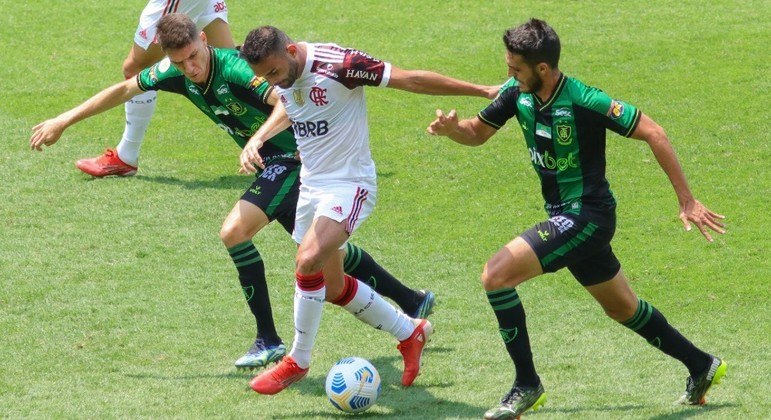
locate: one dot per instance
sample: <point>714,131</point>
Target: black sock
<point>251,274</point>
<point>511,324</point>
<point>651,325</point>
<point>362,266</point>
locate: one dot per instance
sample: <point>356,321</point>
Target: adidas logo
<point>338,210</point>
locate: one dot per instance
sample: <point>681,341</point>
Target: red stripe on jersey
<point>358,202</point>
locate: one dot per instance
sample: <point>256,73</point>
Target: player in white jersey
<point>211,16</point>
<point>321,92</point>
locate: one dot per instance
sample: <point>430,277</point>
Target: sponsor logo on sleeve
<point>360,74</point>
<point>220,6</point>
<point>223,90</point>
<point>616,110</point>
<point>526,101</point>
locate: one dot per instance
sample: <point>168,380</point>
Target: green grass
<point>118,300</point>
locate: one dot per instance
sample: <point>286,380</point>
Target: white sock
<point>139,111</point>
<point>368,306</point>
<point>308,305</point>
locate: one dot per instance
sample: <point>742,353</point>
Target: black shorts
<point>580,242</point>
<point>275,191</point>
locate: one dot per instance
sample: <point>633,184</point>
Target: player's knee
<point>495,277</point>
<point>307,261</point>
<point>233,234</point>
<point>619,311</point>
<point>131,68</point>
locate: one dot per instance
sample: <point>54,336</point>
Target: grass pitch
<point>119,301</point>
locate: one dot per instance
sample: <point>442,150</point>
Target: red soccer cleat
<point>107,164</point>
<point>412,351</point>
<point>279,377</point>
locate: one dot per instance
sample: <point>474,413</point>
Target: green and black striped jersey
<point>565,136</point>
<point>233,97</point>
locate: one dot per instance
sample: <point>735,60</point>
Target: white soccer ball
<point>353,384</point>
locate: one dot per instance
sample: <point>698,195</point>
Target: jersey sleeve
<point>240,74</point>
<point>503,107</point>
<point>352,68</point>
<point>161,76</point>
<point>618,116</point>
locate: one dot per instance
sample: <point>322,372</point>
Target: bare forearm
<point>466,134</point>
<point>107,99</point>
<point>667,159</point>
<point>431,83</point>
<point>276,123</point>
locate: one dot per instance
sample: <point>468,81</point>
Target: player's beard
<point>291,75</point>
<point>534,84</point>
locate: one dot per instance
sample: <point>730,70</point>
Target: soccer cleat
<point>426,306</point>
<point>412,351</point>
<point>696,387</point>
<point>105,165</point>
<point>279,377</point>
<point>260,355</point>
<point>517,401</point>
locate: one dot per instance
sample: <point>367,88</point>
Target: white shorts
<point>203,12</point>
<point>351,201</point>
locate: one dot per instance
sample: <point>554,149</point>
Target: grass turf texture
<point>119,301</point>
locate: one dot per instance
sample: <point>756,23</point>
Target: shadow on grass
<point>397,400</point>
<point>686,412</point>
<point>226,182</point>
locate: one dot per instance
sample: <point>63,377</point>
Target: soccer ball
<point>353,384</point>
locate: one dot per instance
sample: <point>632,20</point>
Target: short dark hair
<point>262,42</point>
<point>175,31</point>
<point>535,41</point>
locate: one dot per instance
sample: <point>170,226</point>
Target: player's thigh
<point>615,296</point>
<point>275,191</point>
<point>333,275</point>
<point>140,58</point>
<point>324,239</point>
<point>568,240</point>
<point>347,203</point>
<point>218,34</point>
<point>513,264</point>
<point>242,223</point>
<point>214,22</point>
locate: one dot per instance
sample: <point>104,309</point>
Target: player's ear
<point>291,49</point>
<point>202,35</point>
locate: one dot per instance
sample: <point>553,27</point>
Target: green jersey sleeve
<point>503,107</point>
<point>162,76</point>
<point>239,73</point>
<point>618,116</point>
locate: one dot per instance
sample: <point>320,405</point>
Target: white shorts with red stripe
<point>203,12</point>
<point>351,202</point>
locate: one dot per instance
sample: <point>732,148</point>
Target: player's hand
<point>250,158</point>
<point>694,212</point>
<point>443,125</point>
<point>492,91</point>
<point>46,133</point>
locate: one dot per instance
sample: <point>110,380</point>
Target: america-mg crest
<point>564,134</point>
<point>236,108</point>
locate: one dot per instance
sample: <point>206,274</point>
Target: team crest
<point>236,108</point>
<point>616,110</point>
<point>564,134</point>
<point>298,97</point>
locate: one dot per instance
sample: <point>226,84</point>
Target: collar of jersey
<point>554,95</point>
<point>212,69</point>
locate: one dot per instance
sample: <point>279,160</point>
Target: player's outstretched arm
<point>276,123</point>
<point>49,131</point>
<point>691,210</point>
<point>431,83</point>
<point>469,132</point>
